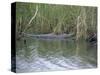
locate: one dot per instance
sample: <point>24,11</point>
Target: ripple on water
<point>51,64</point>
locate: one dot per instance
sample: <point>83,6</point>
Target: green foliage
<point>56,19</point>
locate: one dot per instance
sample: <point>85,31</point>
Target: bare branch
<point>29,24</point>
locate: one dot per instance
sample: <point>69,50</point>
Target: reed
<point>58,19</point>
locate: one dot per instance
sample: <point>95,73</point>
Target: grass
<point>58,19</point>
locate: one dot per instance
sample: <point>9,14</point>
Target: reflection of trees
<point>31,49</point>
<point>50,46</point>
<point>81,48</point>
<point>86,52</point>
<point>56,47</point>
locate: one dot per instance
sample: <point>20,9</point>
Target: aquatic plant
<point>58,19</point>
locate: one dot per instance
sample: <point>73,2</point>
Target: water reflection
<point>51,55</point>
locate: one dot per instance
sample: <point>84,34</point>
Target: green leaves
<point>54,18</point>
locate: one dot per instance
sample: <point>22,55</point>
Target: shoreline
<point>49,36</point>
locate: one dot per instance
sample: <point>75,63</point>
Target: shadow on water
<point>51,55</point>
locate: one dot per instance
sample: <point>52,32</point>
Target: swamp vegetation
<point>72,33</point>
<point>81,21</point>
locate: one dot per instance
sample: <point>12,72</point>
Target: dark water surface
<point>34,55</point>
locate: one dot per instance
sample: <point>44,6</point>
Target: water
<point>54,55</point>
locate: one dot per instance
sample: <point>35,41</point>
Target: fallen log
<point>49,36</point>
